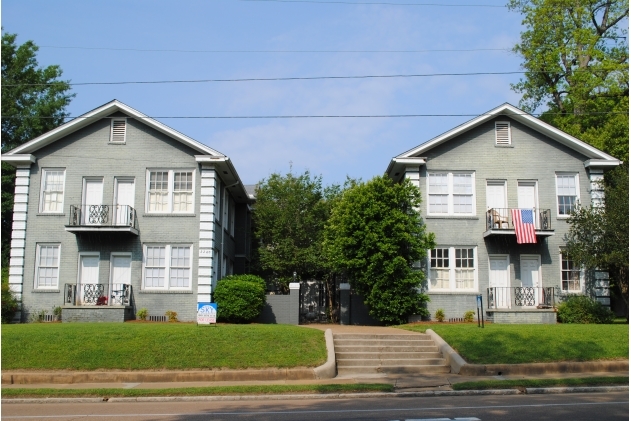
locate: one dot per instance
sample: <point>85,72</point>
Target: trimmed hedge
<point>583,309</point>
<point>238,300</point>
<point>247,278</point>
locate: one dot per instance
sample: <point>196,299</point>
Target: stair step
<point>381,342</point>
<point>386,355</point>
<point>386,348</point>
<point>394,370</point>
<point>412,337</point>
<point>391,362</point>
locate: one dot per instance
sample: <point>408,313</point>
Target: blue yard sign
<point>206,313</point>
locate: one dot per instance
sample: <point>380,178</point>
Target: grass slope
<point>137,346</point>
<point>522,383</point>
<point>514,344</point>
<point>197,391</point>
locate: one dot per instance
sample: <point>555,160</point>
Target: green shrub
<point>469,316</point>
<point>440,315</point>
<point>171,315</point>
<point>142,314</point>
<point>239,301</point>
<point>247,278</point>
<point>583,309</point>
<point>9,302</point>
<point>57,312</point>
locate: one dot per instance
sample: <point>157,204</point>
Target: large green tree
<point>576,57</point>
<point>34,101</point>
<point>289,217</point>
<point>375,234</point>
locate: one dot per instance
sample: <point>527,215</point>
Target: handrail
<point>102,215</point>
<point>502,218</point>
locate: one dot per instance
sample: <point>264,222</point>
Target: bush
<point>248,278</point>
<point>9,303</point>
<point>469,316</point>
<point>239,301</point>
<point>142,314</point>
<point>583,309</point>
<point>171,315</point>
<point>440,315</point>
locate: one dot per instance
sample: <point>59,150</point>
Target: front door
<point>496,203</point>
<point>89,288</point>
<point>527,197</point>
<point>92,210</point>
<point>530,281</point>
<point>120,277</point>
<point>123,201</point>
<point>498,281</point>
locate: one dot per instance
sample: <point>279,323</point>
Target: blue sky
<point>334,148</point>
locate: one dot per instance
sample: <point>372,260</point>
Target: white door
<point>498,280</point>
<point>496,202</point>
<point>530,280</point>
<point>120,275</point>
<point>93,212</point>
<point>123,201</point>
<point>527,197</point>
<point>89,288</point>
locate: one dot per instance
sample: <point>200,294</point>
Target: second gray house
<point>497,192</point>
<point>114,211</point>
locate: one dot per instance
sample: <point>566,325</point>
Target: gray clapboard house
<point>114,211</point>
<point>481,179</point>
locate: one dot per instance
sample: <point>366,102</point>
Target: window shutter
<point>502,133</point>
<point>118,131</point>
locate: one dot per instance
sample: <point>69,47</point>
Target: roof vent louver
<point>118,131</point>
<point>502,133</point>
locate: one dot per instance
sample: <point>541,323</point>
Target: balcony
<point>521,297</point>
<point>102,218</point>
<point>97,295</point>
<point>499,221</point>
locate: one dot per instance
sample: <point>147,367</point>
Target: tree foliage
<point>289,217</point>
<point>599,236</point>
<point>375,234</point>
<point>34,102</point>
<point>576,57</point>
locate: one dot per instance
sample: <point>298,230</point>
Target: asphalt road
<point>576,407</point>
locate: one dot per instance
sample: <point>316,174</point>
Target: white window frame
<point>36,284</point>
<point>452,270</point>
<point>510,139</point>
<point>112,131</point>
<point>170,191</point>
<point>451,194</point>
<point>581,276</point>
<point>167,268</point>
<point>556,190</point>
<point>42,190</point>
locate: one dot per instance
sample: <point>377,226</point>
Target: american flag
<point>523,220</point>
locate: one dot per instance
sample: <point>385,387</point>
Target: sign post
<point>207,314</point>
<point>480,309</point>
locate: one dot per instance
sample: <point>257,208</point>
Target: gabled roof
<point>521,116</point>
<point>104,111</point>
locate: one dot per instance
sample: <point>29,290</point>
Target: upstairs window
<point>567,193</point>
<point>502,133</point>
<point>118,131</point>
<point>170,191</point>
<point>52,199</point>
<point>451,193</point>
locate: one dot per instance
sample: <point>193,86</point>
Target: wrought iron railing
<point>511,297</point>
<point>86,215</point>
<point>98,294</point>
<point>502,219</point>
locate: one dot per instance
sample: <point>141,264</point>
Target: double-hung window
<point>567,193</point>
<point>451,193</point>
<point>453,268</point>
<point>52,199</point>
<point>170,191</point>
<point>47,270</point>
<point>570,274</point>
<point>167,267</point>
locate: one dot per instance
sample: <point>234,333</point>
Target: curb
<point>328,370</point>
<point>429,393</point>
<point>544,368</point>
<point>452,357</point>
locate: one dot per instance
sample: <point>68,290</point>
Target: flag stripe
<point>523,222</point>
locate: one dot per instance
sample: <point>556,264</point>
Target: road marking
<point>346,411</point>
<point>442,419</point>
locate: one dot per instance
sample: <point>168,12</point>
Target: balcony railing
<point>102,215</point>
<point>502,219</point>
<point>521,297</point>
<point>97,294</point>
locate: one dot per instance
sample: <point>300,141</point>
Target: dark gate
<point>313,302</point>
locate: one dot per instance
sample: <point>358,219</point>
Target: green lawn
<point>196,391</point>
<point>138,346</point>
<point>513,344</point>
<point>521,383</point>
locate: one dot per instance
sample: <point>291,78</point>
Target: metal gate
<point>313,302</point>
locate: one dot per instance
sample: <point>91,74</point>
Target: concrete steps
<point>383,353</point>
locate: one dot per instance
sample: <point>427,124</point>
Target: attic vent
<point>502,133</point>
<point>118,131</point>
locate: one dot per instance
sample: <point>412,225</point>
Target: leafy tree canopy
<point>34,102</point>
<point>375,234</point>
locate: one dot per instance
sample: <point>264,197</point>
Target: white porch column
<point>596,188</point>
<point>18,235</point>
<point>207,211</point>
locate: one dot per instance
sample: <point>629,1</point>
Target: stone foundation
<point>522,316</point>
<point>96,314</point>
